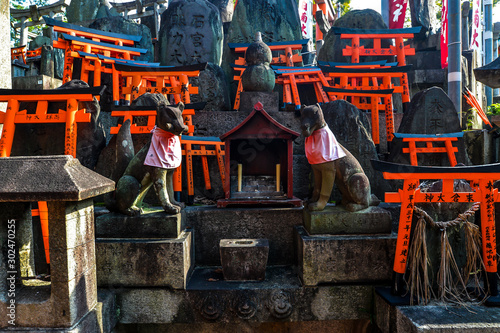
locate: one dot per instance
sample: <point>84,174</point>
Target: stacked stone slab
<point>337,246</point>
<point>125,247</point>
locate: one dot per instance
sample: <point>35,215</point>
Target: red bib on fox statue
<point>322,146</point>
<point>165,150</point>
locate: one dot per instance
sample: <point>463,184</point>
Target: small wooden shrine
<point>259,162</point>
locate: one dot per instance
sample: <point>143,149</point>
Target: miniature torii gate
<point>70,116</point>
<point>481,180</point>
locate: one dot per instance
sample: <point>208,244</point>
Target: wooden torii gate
<point>481,178</point>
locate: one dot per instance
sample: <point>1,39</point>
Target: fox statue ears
<point>298,112</point>
<point>180,106</point>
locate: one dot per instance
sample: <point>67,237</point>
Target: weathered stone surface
<point>274,224</point>
<point>249,302</point>
<point>244,259</point>
<point>258,78</point>
<point>436,318</point>
<point>45,178</point>
<point>190,33</point>
<point>152,224</point>
<point>423,13</point>
<point>277,20</point>
<point>118,24</point>
<point>73,291</point>
<point>82,11</point>
<point>357,19</point>
<point>226,9</point>
<point>480,146</point>
<point>431,112</point>
<point>47,61</point>
<point>129,262</point>
<point>353,131</point>
<point>248,99</point>
<point>335,220</point>
<point>212,88</point>
<point>35,82</point>
<point>344,259</point>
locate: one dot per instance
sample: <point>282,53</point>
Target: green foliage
<point>469,119</point>
<point>345,5</point>
<point>493,110</point>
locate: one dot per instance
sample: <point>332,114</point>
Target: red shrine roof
<point>259,124</point>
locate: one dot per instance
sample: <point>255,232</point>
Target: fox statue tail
<point>124,154</point>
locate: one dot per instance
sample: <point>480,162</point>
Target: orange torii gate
<point>71,116</point>
<point>429,140</point>
<point>481,180</point>
<point>289,77</point>
<point>375,95</point>
<point>348,77</point>
<point>400,50</point>
<point>18,53</point>
<point>168,80</point>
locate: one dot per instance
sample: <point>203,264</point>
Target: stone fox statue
<point>331,163</point>
<point>153,165</point>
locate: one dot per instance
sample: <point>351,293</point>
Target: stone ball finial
<point>258,76</point>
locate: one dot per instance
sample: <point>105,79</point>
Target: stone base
<point>38,82</point>
<point>274,224</point>
<point>210,299</point>
<point>102,319</point>
<point>439,318</point>
<point>344,259</point>
<point>154,223</point>
<point>248,99</point>
<point>143,262</point>
<point>244,259</point>
<point>335,220</point>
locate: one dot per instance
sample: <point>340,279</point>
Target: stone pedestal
<point>152,262</point>
<point>244,259</point>
<point>270,100</point>
<point>344,259</point>
<point>38,82</point>
<point>153,249</point>
<point>335,220</point>
<point>71,295</point>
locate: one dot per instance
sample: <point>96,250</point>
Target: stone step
<point>154,223</point>
<point>336,220</point>
<point>444,318</point>
<point>344,259</point>
<point>143,262</point>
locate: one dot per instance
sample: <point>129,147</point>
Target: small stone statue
<point>331,163</point>
<point>258,76</point>
<point>154,165</point>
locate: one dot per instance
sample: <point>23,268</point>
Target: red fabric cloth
<point>322,146</point>
<point>165,150</point>
<point>444,35</point>
<point>397,13</point>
